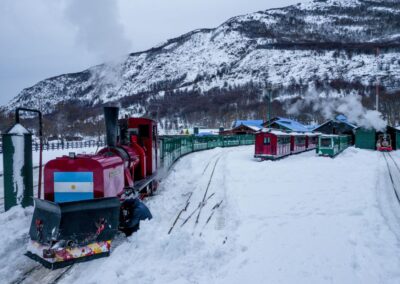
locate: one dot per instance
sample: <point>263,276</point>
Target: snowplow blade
<point>64,233</point>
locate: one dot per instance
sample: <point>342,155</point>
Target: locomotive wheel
<point>154,185</point>
<point>149,190</point>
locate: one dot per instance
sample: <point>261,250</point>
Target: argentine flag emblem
<point>73,186</point>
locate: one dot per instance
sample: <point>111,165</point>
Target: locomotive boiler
<point>88,198</point>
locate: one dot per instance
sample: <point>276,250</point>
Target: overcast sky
<point>45,38</point>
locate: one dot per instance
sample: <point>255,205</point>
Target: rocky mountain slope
<point>219,73</point>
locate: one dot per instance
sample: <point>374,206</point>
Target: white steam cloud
<point>349,105</point>
<point>98,27</point>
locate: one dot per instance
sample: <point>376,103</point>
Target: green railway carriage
<point>332,145</point>
<point>344,142</point>
<point>173,147</point>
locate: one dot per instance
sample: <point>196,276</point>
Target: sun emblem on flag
<point>73,186</point>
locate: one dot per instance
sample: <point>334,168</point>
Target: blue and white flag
<point>73,186</point>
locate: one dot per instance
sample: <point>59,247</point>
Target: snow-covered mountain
<point>320,41</point>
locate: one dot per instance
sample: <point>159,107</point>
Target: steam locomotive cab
<point>384,143</point>
<point>142,131</point>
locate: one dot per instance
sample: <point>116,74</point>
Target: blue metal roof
<point>257,123</point>
<point>311,127</point>
<point>343,118</point>
<point>291,124</point>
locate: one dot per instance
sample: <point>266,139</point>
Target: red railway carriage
<point>297,143</point>
<point>272,144</point>
<point>311,141</point>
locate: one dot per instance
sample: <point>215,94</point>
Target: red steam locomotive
<point>88,198</point>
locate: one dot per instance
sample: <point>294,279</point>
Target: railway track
<point>37,273</point>
<point>40,274</point>
<point>201,203</point>
<point>394,173</point>
<point>206,191</point>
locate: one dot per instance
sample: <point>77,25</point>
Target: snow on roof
<point>18,129</point>
<point>208,132</point>
<point>258,123</point>
<point>329,135</point>
<point>311,127</point>
<point>280,132</point>
<point>297,133</point>
<point>291,124</point>
<point>275,131</point>
<point>255,128</point>
<point>342,119</point>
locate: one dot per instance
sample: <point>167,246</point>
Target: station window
<point>267,140</point>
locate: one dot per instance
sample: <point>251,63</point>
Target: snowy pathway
<point>303,219</point>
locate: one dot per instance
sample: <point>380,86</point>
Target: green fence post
<point>17,165</point>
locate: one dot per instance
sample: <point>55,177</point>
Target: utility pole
<point>268,97</point>
<point>377,79</point>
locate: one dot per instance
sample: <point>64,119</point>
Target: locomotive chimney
<point>111,120</point>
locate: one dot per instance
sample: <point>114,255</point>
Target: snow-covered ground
<point>303,219</point>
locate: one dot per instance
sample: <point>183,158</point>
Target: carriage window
<point>325,142</point>
<point>267,140</point>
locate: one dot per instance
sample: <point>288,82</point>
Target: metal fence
<point>174,147</point>
<point>64,145</point>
